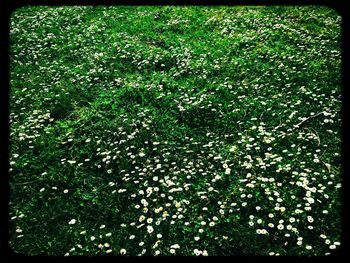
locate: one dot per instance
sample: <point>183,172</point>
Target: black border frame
<point>8,6</point>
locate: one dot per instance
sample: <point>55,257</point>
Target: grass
<point>151,130</point>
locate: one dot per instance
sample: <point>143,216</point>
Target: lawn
<point>169,130</point>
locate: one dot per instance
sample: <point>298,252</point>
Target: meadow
<point>175,130</point>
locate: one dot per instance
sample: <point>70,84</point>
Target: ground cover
<point>151,130</point>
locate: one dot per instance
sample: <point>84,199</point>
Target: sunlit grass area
<point>149,130</point>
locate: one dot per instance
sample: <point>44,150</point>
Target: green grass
<point>220,125</point>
